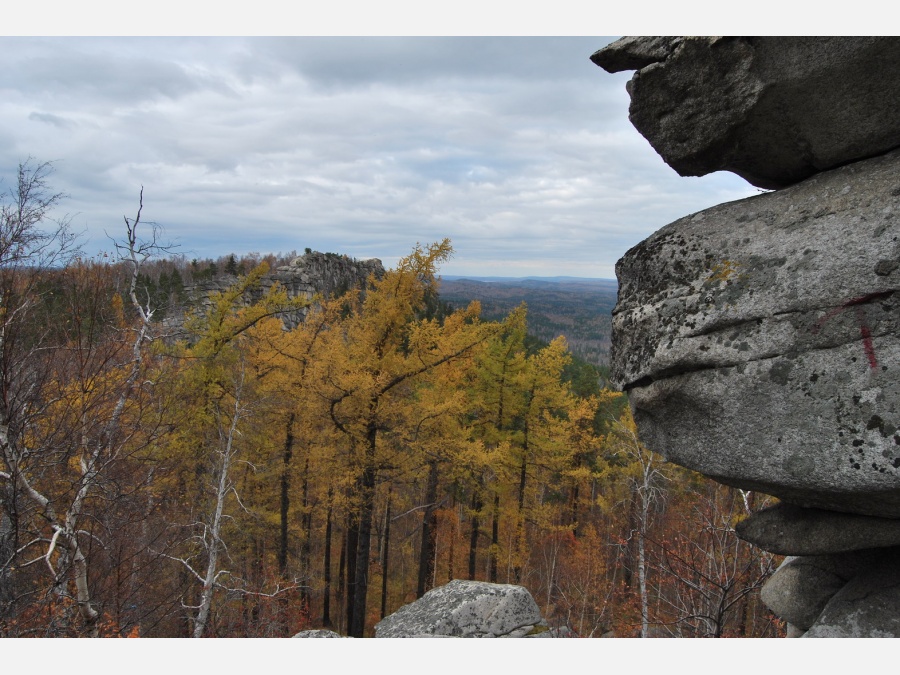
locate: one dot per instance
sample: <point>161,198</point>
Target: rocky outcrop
<point>843,595</point>
<point>318,633</point>
<point>867,605</point>
<point>467,609</point>
<point>791,530</point>
<point>759,340</point>
<point>325,274</point>
<point>773,110</point>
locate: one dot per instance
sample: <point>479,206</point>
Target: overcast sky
<point>517,149</point>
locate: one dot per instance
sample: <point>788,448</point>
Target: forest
<point>170,470</point>
<point>579,309</point>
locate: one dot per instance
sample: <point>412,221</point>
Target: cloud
<point>54,120</point>
<point>518,149</point>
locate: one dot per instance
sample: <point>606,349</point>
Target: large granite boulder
<point>844,595</point>
<point>466,609</point>
<point>318,633</point>
<point>792,530</point>
<point>867,606</point>
<point>774,110</point>
<point>759,340</point>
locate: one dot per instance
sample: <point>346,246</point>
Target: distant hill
<point>516,280</point>
<point>579,308</point>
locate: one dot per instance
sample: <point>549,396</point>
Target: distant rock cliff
<point>328,274</point>
<point>759,340</point>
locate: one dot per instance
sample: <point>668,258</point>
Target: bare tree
<point>709,580</point>
<point>646,479</point>
<point>64,390</point>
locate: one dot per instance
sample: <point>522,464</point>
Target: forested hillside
<point>236,478</point>
<point>579,309</point>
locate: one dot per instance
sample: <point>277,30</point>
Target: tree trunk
<point>306,548</point>
<point>364,544</point>
<point>326,567</point>
<point>351,547</point>
<point>452,548</point>
<point>473,534</point>
<point>642,565</point>
<point>9,542</point>
<point>342,579</point>
<point>285,496</point>
<point>214,538</point>
<point>495,540</point>
<point>90,615</point>
<point>520,517</point>
<point>428,548</point>
<point>574,517</point>
<point>386,555</point>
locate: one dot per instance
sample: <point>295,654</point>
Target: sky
<point>518,149</point>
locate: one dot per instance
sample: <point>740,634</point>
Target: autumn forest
<point>180,469</point>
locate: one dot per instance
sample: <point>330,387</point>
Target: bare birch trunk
<point>213,536</point>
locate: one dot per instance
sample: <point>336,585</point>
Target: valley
<point>578,308</point>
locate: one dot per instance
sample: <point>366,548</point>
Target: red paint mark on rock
<point>865,333</point>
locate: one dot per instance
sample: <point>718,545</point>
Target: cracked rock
<point>867,605</point>
<point>774,110</point>
<point>791,530</point>
<point>466,609</point>
<point>760,341</point>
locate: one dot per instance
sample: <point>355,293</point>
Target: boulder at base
<point>466,609</point>
<point>318,633</point>
<point>868,606</point>
<point>759,340</point>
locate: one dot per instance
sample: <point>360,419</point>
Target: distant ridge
<point>579,308</point>
<point>456,277</point>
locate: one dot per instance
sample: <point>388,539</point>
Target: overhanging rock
<point>760,340</point>
<point>774,110</point>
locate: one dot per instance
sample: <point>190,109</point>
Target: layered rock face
<point>773,110</point>
<point>759,340</point>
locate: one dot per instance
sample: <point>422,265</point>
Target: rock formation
<point>328,274</point>
<point>774,111</point>
<point>467,609</point>
<point>318,633</point>
<point>759,340</point>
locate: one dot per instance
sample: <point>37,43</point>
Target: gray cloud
<point>54,120</point>
<point>518,149</point>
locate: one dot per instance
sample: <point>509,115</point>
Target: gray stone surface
<point>318,633</point>
<point>868,606</point>
<point>774,110</point>
<point>760,340</point>
<point>465,609</point>
<point>791,530</point>
<point>634,53</point>
<point>800,589</point>
<point>802,586</point>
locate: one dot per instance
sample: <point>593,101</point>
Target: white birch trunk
<point>215,529</point>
